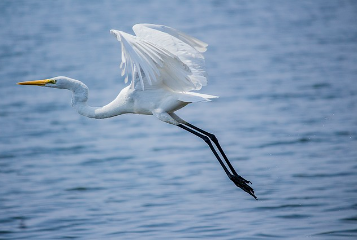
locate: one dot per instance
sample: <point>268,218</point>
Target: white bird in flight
<point>165,65</point>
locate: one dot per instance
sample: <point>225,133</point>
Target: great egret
<point>165,65</point>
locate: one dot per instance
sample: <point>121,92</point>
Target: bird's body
<point>165,66</point>
<point>154,101</point>
<point>131,100</point>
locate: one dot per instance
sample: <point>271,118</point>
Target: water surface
<point>285,72</point>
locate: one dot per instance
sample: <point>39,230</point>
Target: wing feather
<point>160,55</point>
<point>188,49</point>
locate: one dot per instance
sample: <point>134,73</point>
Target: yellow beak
<point>36,82</point>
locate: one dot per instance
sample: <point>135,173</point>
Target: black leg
<point>215,140</point>
<point>208,137</point>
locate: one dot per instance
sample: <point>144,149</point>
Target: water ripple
<point>285,72</point>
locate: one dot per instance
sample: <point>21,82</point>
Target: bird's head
<point>56,82</point>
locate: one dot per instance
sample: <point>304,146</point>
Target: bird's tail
<point>195,97</point>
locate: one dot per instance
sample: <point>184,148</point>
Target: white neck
<point>79,102</point>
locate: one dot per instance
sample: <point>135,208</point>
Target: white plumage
<point>162,55</point>
<point>165,65</point>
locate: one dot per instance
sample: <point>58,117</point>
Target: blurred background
<point>285,72</point>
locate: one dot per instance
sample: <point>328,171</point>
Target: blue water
<point>286,74</point>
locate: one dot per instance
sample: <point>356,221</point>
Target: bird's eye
<point>52,81</point>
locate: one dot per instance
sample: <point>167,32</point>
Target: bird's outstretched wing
<point>160,55</point>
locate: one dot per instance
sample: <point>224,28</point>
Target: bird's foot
<point>243,184</point>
